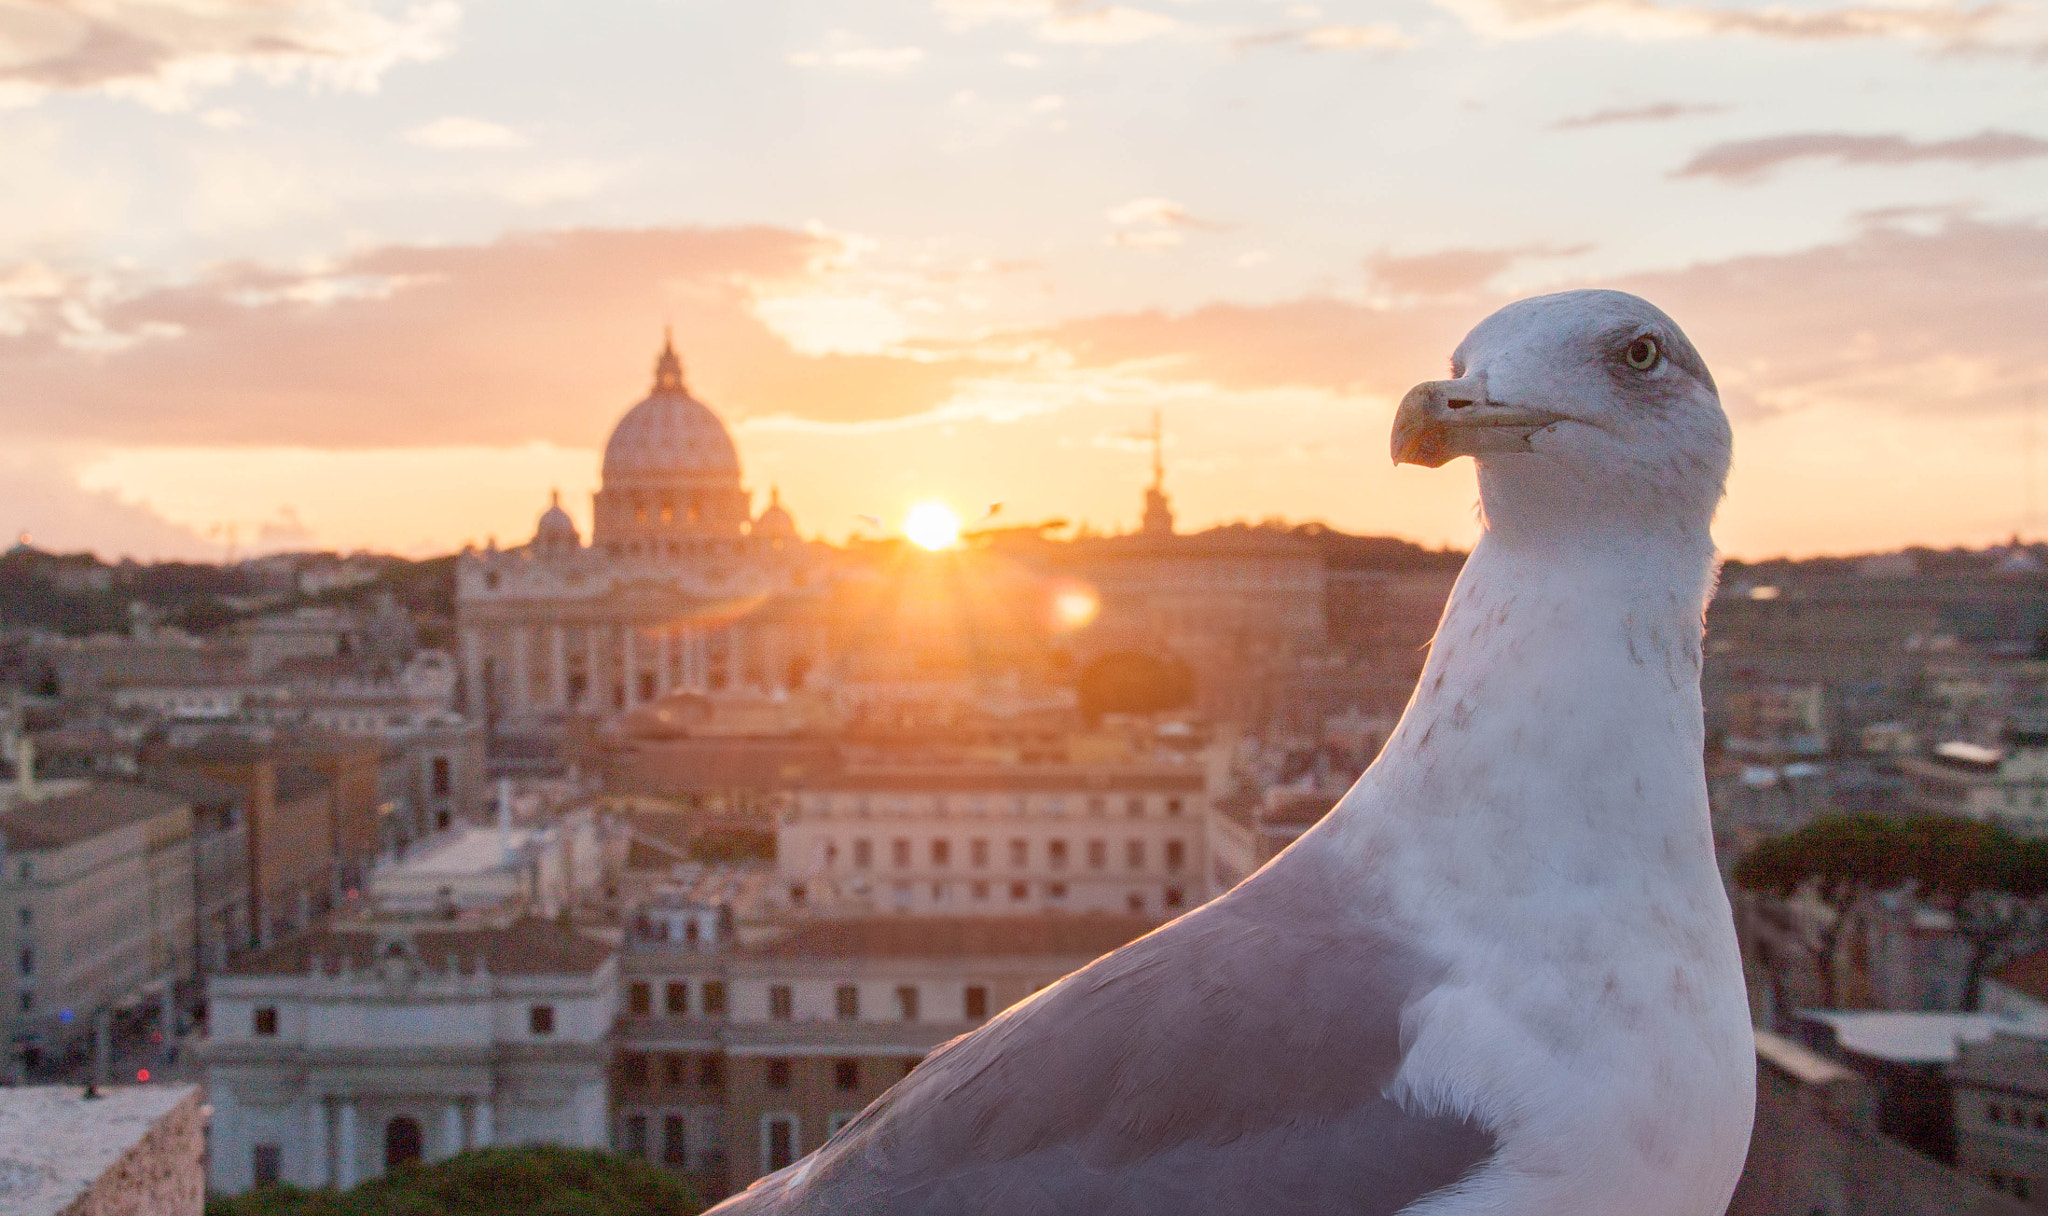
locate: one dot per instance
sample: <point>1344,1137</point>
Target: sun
<point>932,525</point>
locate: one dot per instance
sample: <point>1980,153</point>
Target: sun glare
<point>1074,605</point>
<point>932,525</point>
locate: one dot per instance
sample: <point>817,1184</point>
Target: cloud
<point>1154,223</point>
<point>1446,272</point>
<point>455,131</point>
<point>1062,20</point>
<point>40,495</point>
<point>1379,36</point>
<point>164,51</point>
<point>1661,111</point>
<point>537,337</point>
<point>1948,25</point>
<point>1748,160</point>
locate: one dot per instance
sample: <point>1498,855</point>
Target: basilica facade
<point>681,588</point>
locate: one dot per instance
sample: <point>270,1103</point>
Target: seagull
<point>1501,975</point>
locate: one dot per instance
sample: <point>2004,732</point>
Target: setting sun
<point>932,525</point>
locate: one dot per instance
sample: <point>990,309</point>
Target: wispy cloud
<point>1155,223</point>
<point>1943,24</point>
<point>1748,160</point>
<point>456,132</point>
<point>1378,36</point>
<point>1660,111</point>
<point>162,52</point>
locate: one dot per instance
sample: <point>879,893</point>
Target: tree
<point>542,1180</point>
<point>1843,860</point>
<point>1130,682</point>
<point>1989,881</point>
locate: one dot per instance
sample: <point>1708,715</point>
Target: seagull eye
<point>1642,354</point>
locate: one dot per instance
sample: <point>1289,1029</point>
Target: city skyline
<point>359,276</point>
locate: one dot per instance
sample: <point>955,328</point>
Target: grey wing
<point>1234,1061</point>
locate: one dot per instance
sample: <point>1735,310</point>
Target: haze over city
<point>357,275</point>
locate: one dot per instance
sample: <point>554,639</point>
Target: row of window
<point>675,1142</point>
<point>1097,805</point>
<point>1058,853</point>
<point>675,999</point>
<point>672,1070</point>
<point>540,1020</point>
<point>1134,901</point>
<point>2016,1116</point>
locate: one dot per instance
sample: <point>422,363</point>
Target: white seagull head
<point>1583,410</point>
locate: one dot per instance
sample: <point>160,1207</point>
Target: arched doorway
<point>403,1142</point>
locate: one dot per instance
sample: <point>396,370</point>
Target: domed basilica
<point>680,589</point>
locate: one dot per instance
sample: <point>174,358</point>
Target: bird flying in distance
<point>1500,977</point>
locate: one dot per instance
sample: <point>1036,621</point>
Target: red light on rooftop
<point>142,1074</point>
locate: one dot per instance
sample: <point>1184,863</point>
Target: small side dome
<point>556,533</point>
<point>774,523</point>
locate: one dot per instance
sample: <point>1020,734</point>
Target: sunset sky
<point>345,273</point>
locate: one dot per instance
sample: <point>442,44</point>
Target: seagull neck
<point>1561,693</point>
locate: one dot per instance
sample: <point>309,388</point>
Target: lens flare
<point>1074,605</point>
<point>932,525</point>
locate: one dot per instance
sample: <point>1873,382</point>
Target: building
<point>2007,785</point>
<point>223,923</point>
<point>958,839</point>
<point>735,1060</point>
<point>343,1053</point>
<point>96,909</point>
<point>679,589</point>
<point>2001,1114</point>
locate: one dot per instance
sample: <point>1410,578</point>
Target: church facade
<point>681,588</point>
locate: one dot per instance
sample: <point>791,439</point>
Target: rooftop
<point>66,819</point>
<point>1918,1038</point>
<point>522,947</point>
<point>1081,936</point>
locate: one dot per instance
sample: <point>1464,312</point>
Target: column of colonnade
<point>558,666</point>
<point>522,674</point>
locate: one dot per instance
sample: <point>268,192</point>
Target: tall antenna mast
<point>1158,452</point>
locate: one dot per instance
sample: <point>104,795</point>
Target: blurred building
<point>344,1053</point>
<point>954,839</point>
<point>677,589</point>
<point>2001,1114</point>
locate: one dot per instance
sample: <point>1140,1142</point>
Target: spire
<point>1158,519</point>
<point>668,370</point>
<point>555,497</point>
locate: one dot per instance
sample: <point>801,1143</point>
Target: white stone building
<point>334,1056</point>
<point>679,589</point>
<point>976,839</point>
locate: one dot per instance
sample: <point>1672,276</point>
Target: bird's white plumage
<point>1522,888</point>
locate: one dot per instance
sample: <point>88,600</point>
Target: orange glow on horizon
<point>932,525</point>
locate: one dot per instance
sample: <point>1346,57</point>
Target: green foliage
<point>733,844</point>
<point>537,1181</point>
<point>1127,682</point>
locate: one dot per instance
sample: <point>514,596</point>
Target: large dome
<point>669,436</point>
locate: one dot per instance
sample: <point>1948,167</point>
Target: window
<point>674,1142</point>
<point>1056,854</point>
<point>674,1069</point>
<point>906,1002</point>
<point>714,998</point>
<point>28,1002</point>
<point>1174,898</point>
<point>1020,853</point>
<point>781,1003</point>
<point>846,1074</point>
<point>266,1163</point>
<point>1173,806</point>
<point>1995,1113</point>
<point>1095,805</point>
<point>639,999</point>
<point>797,894</point>
<point>1098,854</point>
<point>1176,854</point>
<point>711,1072</point>
<point>838,1119</point>
<point>633,1070</point>
<point>778,1142</point>
<point>977,1002</point>
<point>1134,854</point>
<point>678,999</point>
<point>540,1019</point>
<point>1019,892</point>
<point>777,1073</point>
<point>942,852</point>
<point>1134,808</point>
<point>1134,902</point>
<point>863,853</point>
<point>264,1020</point>
<point>636,1136</point>
<point>977,852</point>
<point>846,1002</point>
<point>28,960</point>
<point>28,916</point>
<point>899,854</point>
<point>1056,890</point>
<point>978,890</point>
